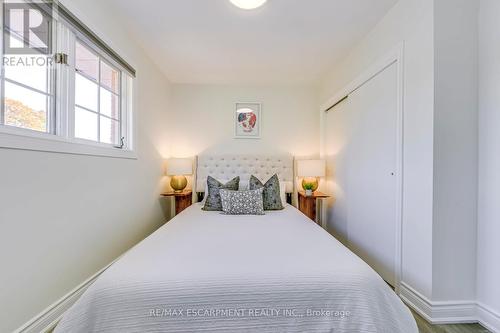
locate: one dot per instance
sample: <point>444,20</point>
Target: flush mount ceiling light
<point>248,4</point>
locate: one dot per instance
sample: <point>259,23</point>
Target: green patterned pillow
<point>271,194</point>
<point>212,192</point>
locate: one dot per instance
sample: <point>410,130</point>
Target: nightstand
<point>309,205</point>
<point>182,199</point>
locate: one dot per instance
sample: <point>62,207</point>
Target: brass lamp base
<point>178,183</point>
<point>312,181</point>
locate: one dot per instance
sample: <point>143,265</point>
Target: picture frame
<point>247,120</point>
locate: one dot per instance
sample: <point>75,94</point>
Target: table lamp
<point>310,170</point>
<point>178,168</point>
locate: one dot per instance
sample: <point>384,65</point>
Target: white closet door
<point>365,126</point>
<point>338,126</point>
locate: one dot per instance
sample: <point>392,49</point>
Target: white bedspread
<point>208,272</point>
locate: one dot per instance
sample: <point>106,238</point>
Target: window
<point>97,97</point>
<point>26,86</point>
<point>28,99</point>
<point>61,81</point>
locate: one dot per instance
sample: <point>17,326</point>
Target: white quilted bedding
<point>207,272</point>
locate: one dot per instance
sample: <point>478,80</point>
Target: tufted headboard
<point>226,167</point>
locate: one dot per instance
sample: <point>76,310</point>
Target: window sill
<point>16,138</point>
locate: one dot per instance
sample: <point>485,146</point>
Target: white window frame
<point>63,140</point>
<point>123,110</point>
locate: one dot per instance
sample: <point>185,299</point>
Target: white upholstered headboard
<point>226,167</point>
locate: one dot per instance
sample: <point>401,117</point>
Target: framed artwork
<point>247,120</point>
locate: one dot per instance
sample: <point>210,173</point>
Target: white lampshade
<point>179,166</point>
<point>311,168</point>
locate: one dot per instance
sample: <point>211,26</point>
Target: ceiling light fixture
<point>248,4</point>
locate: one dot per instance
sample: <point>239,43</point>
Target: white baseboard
<point>450,312</point>
<point>46,320</point>
<point>416,301</point>
<point>488,318</point>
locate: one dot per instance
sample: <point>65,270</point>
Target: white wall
<point>488,252</point>
<point>202,120</point>
<point>64,217</point>
<point>106,205</point>
<point>441,143</point>
<point>410,21</point>
<point>455,150</point>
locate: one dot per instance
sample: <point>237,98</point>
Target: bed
<point>209,272</point>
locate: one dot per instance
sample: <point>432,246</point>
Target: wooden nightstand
<point>308,205</point>
<point>182,200</point>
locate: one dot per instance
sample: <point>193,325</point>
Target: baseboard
<point>416,301</point>
<point>450,312</point>
<point>46,320</point>
<point>488,318</point>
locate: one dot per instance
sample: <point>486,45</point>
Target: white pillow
<point>244,185</point>
<point>283,193</point>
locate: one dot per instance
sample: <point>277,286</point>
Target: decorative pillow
<point>212,192</point>
<point>271,194</point>
<point>242,202</point>
<point>204,198</point>
<point>283,193</point>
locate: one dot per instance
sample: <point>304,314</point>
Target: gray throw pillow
<point>271,194</point>
<point>213,201</point>
<point>242,202</point>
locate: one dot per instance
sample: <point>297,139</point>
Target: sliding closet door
<point>365,126</point>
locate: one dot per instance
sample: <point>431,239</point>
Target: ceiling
<point>282,42</point>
